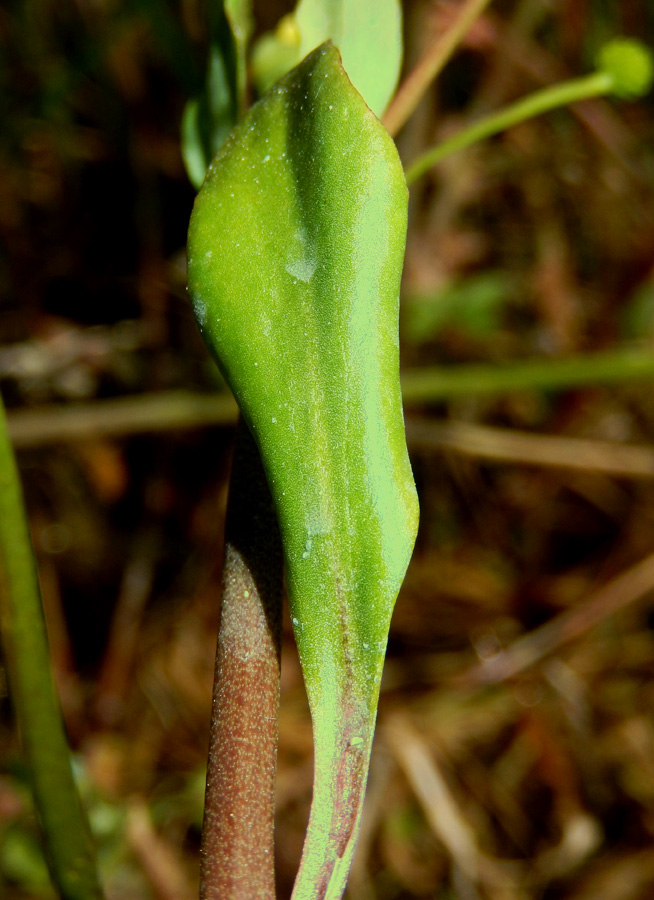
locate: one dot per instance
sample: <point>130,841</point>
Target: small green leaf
<point>209,118</point>
<point>368,34</point>
<point>275,53</point>
<point>637,319</point>
<point>239,15</point>
<point>472,305</point>
<point>296,246</point>
<point>22,861</point>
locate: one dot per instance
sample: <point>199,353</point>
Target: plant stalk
<point>237,861</point>
<point>433,384</point>
<point>177,409</point>
<point>68,844</point>
<point>429,66</point>
<point>536,104</point>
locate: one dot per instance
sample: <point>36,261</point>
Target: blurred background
<point>514,758</point>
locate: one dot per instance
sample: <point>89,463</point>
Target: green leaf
<point>275,53</point>
<point>22,861</point>
<point>368,34</point>
<point>473,305</point>
<point>69,846</point>
<point>637,319</point>
<point>238,14</point>
<point>209,118</point>
<point>296,246</point>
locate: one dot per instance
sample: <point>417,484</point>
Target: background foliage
<point>537,244</point>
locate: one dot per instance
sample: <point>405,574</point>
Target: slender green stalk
<point>69,848</point>
<point>164,410</point>
<point>239,16</point>
<point>543,101</point>
<point>434,384</point>
<point>237,837</point>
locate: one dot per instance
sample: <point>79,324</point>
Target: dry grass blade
<point>627,877</point>
<point>629,587</point>
<point>158,859</point>
<point>138,414</point>
<point>433,61</point>
<point>441,809</point>
<point>504,445</point>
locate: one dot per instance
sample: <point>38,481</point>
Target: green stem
<point>68,843</point>
<point>429,385</point>
<point>183,409</point>
<point>536,104</point>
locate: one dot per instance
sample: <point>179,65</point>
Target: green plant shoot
<point>296,246</point>
<point>70,852</point>
<point>209,118</point>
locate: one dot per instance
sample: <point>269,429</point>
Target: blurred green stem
<point>536,104</point>
<point>163,410</point>
<point>69,848</point>
<point>437,383</point>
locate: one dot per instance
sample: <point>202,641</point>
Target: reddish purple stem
<point>237,837</point>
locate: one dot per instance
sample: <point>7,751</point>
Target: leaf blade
<point>208,118</point>
<point>368,34</point>
<point>296,247</point>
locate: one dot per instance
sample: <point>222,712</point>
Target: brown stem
<point>237,838</point>
<point>437,55</point>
